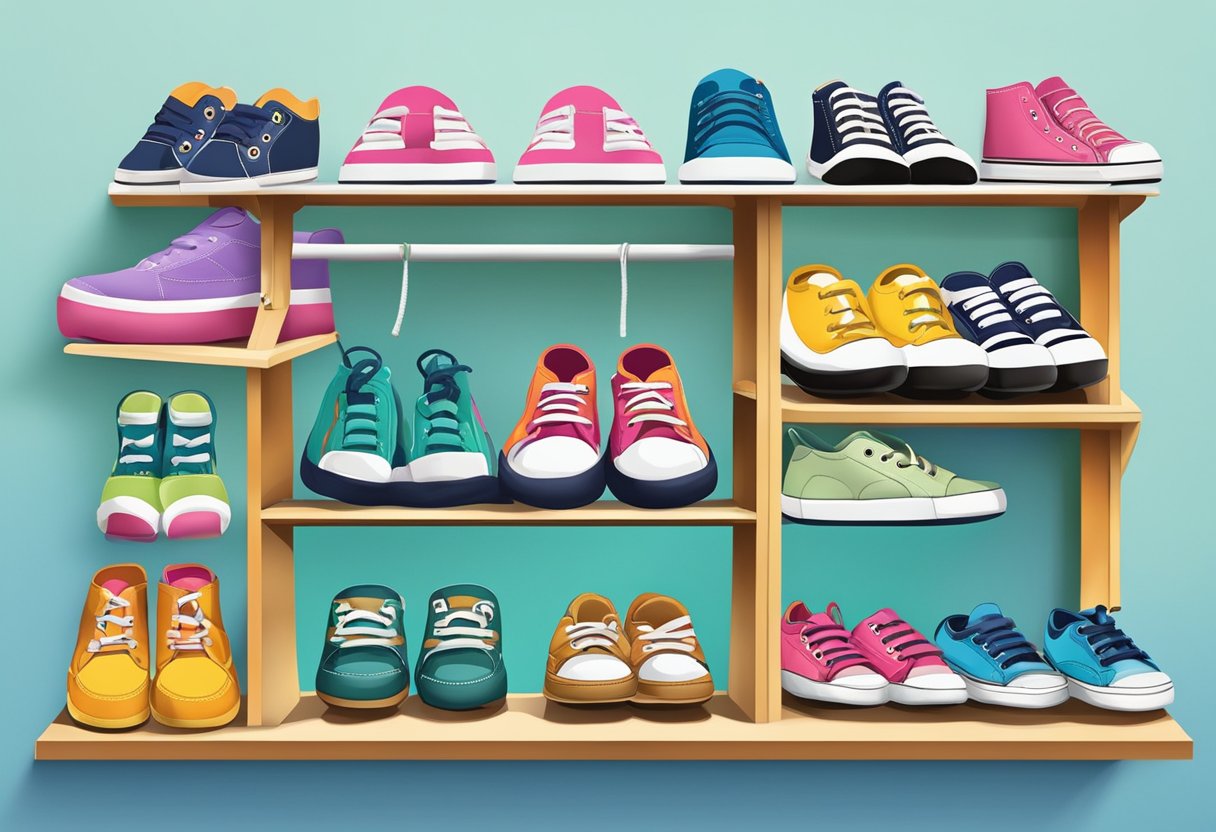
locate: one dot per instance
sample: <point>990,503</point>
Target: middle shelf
<point>602,513</point>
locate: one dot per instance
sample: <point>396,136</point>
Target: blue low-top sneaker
<point>1103,665</point>
<point>850,144</point>
<point>363,663</point>
<point>997,663</point>
<point>272,142</point>
<point>460,666</point>
<point>186,121</point>
<point>733,137</point>
<point>932,158</point>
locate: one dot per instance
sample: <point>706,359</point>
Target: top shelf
<point>329,193</point>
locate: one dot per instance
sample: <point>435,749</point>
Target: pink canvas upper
<point>418,125</point>
<point>585,125</point>
<point>648,401</point>
<point>1020,127</point>
<point>1072,113</point>
<point>561,400</point>
<point>895,648</point>
<point>815,645</point>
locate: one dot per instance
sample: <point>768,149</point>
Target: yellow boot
<point>108,677</point>
<point>195,684</point>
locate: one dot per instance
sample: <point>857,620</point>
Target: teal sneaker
<point>364,663</point>
<point>460,666</point>
<point>452,459</point>
<point>130,506</point>
<point>193,497</point>
<point>358,438</point>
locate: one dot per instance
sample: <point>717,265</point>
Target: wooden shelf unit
<point>749,720</point>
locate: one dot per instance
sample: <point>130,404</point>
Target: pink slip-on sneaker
<point>1123,160</point>
<point>583,135</point>
<point>418,135</point>
<point>912,665</point>
<point>819,661</point>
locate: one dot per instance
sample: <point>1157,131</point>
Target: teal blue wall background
<point>82,81</point>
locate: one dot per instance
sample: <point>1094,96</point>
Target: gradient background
<point>83,82</point>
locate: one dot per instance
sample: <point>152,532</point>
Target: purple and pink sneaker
<point>419,135</point>
<point>205,287</point>
<point>583,135</point>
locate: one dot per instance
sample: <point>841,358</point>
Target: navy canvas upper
<point>176,135</point>
<point>253,141</point>
<point>857,111</point>
<point>732,115</point>
<point>986,315</point>
<point>906,118</point>
<point>1037,311</point>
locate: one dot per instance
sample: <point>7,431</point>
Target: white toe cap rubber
<point>671,667</point>
<point>1038,681</point>
<point>1151,679</point>
<point>553,457</point>
<point>1020,355</point>
<point>660,458</point>
<point>860,681</point>
<point>1134,152</point>
<point>1077,351</point>
<point>936,681</point>
<point>594,667</point>
<point>356,465</point>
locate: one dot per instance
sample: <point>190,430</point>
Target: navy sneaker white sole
<point>957,508</point>
<point>1150,698</point>
<point>197,184</point>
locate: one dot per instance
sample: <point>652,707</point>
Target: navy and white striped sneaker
<point>1016,364</point>
<point>933,158</point>
<point>850,144</point>
<point>1080,360</point>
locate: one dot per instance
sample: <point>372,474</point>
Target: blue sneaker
<point>1016,364</point>
<point>850,144</point>
<point>363,662</point>
<point>1103,665</point>
<point>187,119</point>
<point>275,141</point>
<point>733,135</point>
<point>997,663</point>
<point>1080,360</point>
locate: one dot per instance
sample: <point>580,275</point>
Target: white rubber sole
<point>1112,173</point>
<point>1009,697</point>
<point>897,510</point>
<point>193,183</point>
<point>197,504</point>
<point>738,169</point>
<point>805,688</point>
<point>356,465</point>
<point>451,172</point>
<point>299,297</point>
<point>909,695</point>
<point>148,177</point>
<point>597,172</point>
<point>1123,699</point>
<point>442,467</point>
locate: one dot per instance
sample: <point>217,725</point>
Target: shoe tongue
<point>115,586</point>
<point>1006,272</point>
<point>982,611</point>
<point>224,218</point>
<point>830,87</point>
<point>658,611</point>
<point>960,281</point>
<point>821,279</point>
<point>1097,615</point>
<point>1054,84</point>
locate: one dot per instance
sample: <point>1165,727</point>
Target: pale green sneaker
<point>130,505</point>
<point>191,491</point>
<point>874,478</point>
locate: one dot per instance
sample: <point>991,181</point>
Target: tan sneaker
<point>670,667</point>
<point>589,655</point>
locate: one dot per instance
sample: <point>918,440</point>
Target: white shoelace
<point>456,637</point>
<point>180,441</point>
<point>126,458</point>
<point>127,622</point>
<point>593,634</point>
<point>1093,130</point>
<point>668,636</point>
<point>195,623</point>
<point>642,406</point>
<point>352,629</point>
<point>560,404</point>
<point>555,130</point>
<point>856,111</point>
<point>1027,293</point>
<point>985,308</point>
<point>452,131</point>
<point>908,110</point>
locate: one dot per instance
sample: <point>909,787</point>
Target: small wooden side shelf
<point>227,354</point>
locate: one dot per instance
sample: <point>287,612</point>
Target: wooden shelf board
<point>1073,409</point>
<point>227,354</point>
<point>330,193</point>
<point>526,726</point>
<point>601,513</point>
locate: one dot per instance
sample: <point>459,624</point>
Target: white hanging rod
<point>514,252</point>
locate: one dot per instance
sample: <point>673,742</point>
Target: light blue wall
<point>81,80</point>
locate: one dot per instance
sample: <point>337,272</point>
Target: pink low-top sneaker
<point>912,665</point>
<point>819,661</point>
<point>583,135</point>
<point>1123,160</point>
<point>418,135</point>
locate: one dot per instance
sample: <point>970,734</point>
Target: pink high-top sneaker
<point>1123,160</point>
<point>912,665</point>
<point>583,135</point>
<point>818,661</point>
<point>1023,142</point>
<point>418,135</point>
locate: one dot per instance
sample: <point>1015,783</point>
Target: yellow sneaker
<point>108,677</point>
<point>910,313</point>
<point>829,344</point>
<point>196,684</point>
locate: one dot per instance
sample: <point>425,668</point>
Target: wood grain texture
<point>227,354</point>
<point>600,513</point>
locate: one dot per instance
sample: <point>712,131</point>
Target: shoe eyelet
<point>266,137</point>
<point>209,113</point>
<point>213,239</point>
<point>890,651</point>
<point>253,152</point>
<point>1059,138</point>
<point>277,117</point>
<point>869,452</point>
<point>1074,147</point>
<point>200,135</point>
<point>874,628</point>
<point>1023,99</point>
<point>1034,115</point>
<point>1046,129</point>
<point>818,654</point>
<point>184,147</point>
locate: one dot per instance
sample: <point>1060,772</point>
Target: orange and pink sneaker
<point>583,135</point>
<point>656,456</point>
<point>552,458</point>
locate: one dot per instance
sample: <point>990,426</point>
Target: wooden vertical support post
<point>756,594</point>
<point>273,681</point>
<point>1101,450</point>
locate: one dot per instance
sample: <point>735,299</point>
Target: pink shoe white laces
<point>555,130</point>
<point>1076,116</point>
<point>452,131</point>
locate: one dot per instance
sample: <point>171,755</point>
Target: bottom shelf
<point>527,726</point>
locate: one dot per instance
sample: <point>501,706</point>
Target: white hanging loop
<point>624,285</point>
<point>405,288</point>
